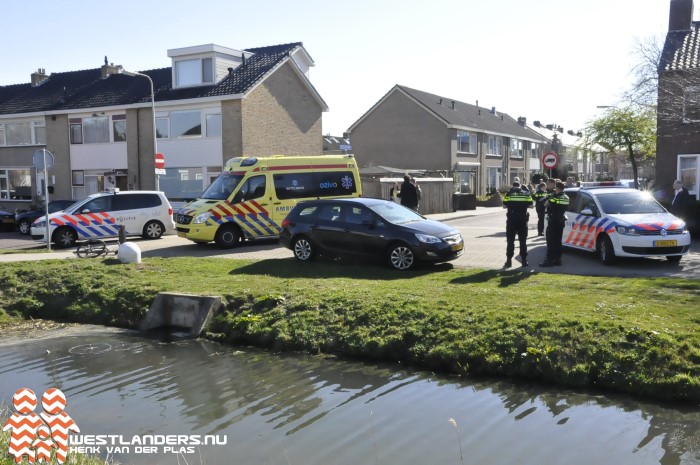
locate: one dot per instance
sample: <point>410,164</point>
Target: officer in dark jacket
<point>517,201</point>
<point>556,205</point>
<point>408,194</point>
<point>538,197</point>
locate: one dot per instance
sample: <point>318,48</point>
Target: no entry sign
<point>550,160</point>
<point>160,161</point>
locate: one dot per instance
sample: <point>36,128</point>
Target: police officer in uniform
<point>517,201</point>
<point>538,196</point>
<point>556,205</point>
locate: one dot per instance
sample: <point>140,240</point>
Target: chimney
<point>109,69</point>
<point>522,121</point>
<point>39,77</point>
<point>493,110</point>
<point>453,104</point>
<point>681,16</point>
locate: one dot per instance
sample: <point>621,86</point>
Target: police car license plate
<point>459,246</point>
<point>665,243</point>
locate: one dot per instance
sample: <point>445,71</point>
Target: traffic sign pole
<point>159,162</point>
<point>43,160</point>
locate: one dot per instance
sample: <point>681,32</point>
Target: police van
<point>99,216</point>
<point>252,196</point>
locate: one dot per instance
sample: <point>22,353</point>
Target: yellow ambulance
<point>252,196</point>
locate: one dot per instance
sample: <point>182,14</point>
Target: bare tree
<point>645,87</point>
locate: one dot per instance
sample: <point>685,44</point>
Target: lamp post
<point>153,110</point>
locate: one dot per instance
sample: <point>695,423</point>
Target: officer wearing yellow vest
<point>517,201</point>
<point>556,205</point>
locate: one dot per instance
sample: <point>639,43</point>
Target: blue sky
<point>547,60</point>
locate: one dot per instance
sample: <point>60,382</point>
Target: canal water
<point>141,401</point>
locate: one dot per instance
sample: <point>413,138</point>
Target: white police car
<point>99,216</point>
<point>622,222</point>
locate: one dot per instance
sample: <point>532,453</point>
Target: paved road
<point>483,231</point>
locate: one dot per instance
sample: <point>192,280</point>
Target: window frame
<point>681,176</point>
<point>498,143</point>
<point>174,122</point>
<point>471,142</point>
<point>201,73</point>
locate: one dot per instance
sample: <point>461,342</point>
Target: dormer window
<point>203,65</point>
<point>194,72</point>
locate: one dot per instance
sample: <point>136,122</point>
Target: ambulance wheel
<point>674,258</point>
<point>227,237</point>
<point>153,230</point>
<point>606,250</point>
<point>64,237</point>
<point>304,250</point>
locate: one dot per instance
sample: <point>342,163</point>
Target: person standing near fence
<point>408,194</point>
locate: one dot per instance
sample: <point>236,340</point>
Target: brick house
<point>413,129</point>
<point>212,104</point>
<point>678,120</point>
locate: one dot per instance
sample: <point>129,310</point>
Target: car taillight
<point>170,211</point>
<point>285,223</point>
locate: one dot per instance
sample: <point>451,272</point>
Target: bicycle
<point>95,248</point>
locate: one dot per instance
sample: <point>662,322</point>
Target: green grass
<point>636,336</point>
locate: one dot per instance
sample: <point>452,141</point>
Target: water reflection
<point>279,408</point>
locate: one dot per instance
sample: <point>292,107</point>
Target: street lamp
<point>153,110</point>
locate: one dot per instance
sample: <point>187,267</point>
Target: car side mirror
<point>587,212</point>
<point>85,210</point>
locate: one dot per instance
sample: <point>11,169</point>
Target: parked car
<point>24,220</point>
<point>369,227</point>
<point>7,221</point>
<point>622,222</point>
<point>99,216</point>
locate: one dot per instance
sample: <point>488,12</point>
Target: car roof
<point>356,200</point>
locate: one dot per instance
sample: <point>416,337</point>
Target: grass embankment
<point>637,336</point>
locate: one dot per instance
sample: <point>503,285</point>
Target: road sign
<point>345,147</point>
<point>160,161</point>
<point>40,157</point>
<point>550,160</point>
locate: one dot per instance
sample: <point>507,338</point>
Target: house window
<point>15,184</point>
<point>78,178</point>
<point>162,128</point>
<point>516,148</point>
<point>494,147</point>
<point>119,128</point>
<point>18,133</point>
<point>466,142</point>
<point>39,133</point>
<point>185,124</point>
<point>96,130</point>
<point>688,173</point>
<point>24,133</point>
<point>194,72</point>
<point>494,179</point>
<point>214,125</point>
<point>535,150</point>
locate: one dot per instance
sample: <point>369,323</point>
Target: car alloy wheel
<point>303,250</point>
<point>401,257</point>
<point>24,227</point>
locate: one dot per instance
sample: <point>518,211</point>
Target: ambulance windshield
<point>223,186</point>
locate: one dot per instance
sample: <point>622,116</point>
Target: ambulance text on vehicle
<point>253,195</point>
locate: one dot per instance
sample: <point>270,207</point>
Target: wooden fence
<point>436,192</point>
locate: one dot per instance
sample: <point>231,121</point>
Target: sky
<point>549,60</point>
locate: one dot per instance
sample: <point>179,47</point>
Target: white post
<point>46,200</point>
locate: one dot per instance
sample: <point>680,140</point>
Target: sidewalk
<point>464,213</point>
